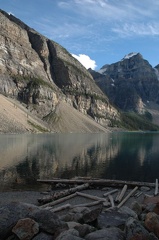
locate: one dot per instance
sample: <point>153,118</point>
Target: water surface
<point>24,158</point>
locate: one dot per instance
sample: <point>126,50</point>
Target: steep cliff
<point>40,74</point>
<point>130,83</point>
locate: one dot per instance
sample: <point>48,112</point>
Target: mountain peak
<point>130,55</point>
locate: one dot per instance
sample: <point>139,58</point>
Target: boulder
<point>134,230</point>
<point>82,214</point>
<point>49,222</point>
<point>127,211</point>
<point>12,237</point>
<point>106,234</point>
<point>136,207</point>
<point>149,200</point>
<point>83,229</point>
<point>152,207</point>
<point>152,223</point>
<point>70,234</point>
<point>71,217</point>
<point>152,237</point>
<point>26,229</point>
<point>111,219</point>
<point>11,213</point>
<point>92,214</point>
<point>43,236</point>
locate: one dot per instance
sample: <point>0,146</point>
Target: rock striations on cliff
<point>42,76</point>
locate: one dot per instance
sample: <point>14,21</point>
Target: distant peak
<point>130,55</point>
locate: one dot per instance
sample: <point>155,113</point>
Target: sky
<point>96,32</point>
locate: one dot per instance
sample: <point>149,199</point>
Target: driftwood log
<point>97,182</point>
<point>59,201</point>
<point>156,187</point>
<point>110,192</point>
<point>63,193</point>
<point>69,206</point>
<point>122,193</point>
<point>127,197</point>
<point>106,203</point>
<point>111,201</point>
<point>61,208</point>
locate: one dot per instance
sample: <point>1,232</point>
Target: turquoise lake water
<point>24,158</point>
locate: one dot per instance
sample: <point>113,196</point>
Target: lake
<point>24,158</point>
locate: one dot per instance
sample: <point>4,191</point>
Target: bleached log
<point>87,204</point>
<point>116,199</point>
<point>97,182</point>
<point>122,193</point>
<point>61,200</point>
<point>64,193</point>
<point>127,197</point>
<point>156,187</point>
<point>63,207</point>
<point>111,200</point>
<point>110,192</point>
<point>91,197</point>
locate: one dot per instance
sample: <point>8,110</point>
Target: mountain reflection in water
<point>24,158</point>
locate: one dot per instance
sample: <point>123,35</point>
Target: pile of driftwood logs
<point>108,200</point>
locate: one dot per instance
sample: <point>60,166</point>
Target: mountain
<point>131,84</point>
<point>44,78</point>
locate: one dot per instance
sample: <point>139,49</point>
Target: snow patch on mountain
<point>128,56</point>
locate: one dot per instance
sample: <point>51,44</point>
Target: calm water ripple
<point>125,156</point>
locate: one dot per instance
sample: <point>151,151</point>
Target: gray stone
<point>73,224</point>
<point>92,215</point>
<point>49,221</point>
<point>135,230</point>
<point>11,213</point>
<point>152,237</point>
<point>75,214</point>
<point>43,236</point>
<point>127,211</point>
<point>112,219</point>
<point>83,229</point>
<point>106,234</point>
<point>70,234</point>
<point>142,217</point>
<point>71,217</point>
<point>82,214</point>
<point>149,207</point>
<point>145,189</point>
<point>136,207</point>
<point>82,210</point>
<point>12,237</point>
<point>26,229</point>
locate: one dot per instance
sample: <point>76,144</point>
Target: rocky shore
<point>137,219</point>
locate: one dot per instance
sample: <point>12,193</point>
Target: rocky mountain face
<point>130,83</point>
<point>40,74</point>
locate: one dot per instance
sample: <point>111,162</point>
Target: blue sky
<point>97,32</point>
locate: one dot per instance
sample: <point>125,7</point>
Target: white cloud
<point>85,60</point>
<point>113,9</point>
<point>137,29</point>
